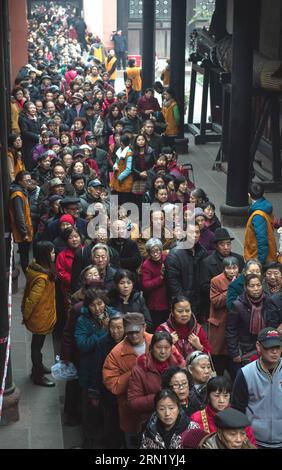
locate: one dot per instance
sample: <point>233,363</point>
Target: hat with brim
<point>56,182</point>
<point>133,322</point>
<point>231,419</point>
<point>269,338</point>
<point>221,234</point>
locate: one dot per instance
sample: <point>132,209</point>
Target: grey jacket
<point>258,394</point>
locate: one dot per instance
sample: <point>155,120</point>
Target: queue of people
<point>173,334</point>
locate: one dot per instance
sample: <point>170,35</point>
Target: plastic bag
<point>64,371</point>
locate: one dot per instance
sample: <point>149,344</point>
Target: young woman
<point>126,298</point>
<point>64,262</point>
<point>186,332</point>
<point>207,236</point>
<point>30,131</point>
<point>39,307</point>
<point>171,115</point>
<point>167,423</point>
<point>218,398</point>
<point>143,160</point>
<point>114,114</point>
<point>153,281</point>
<point>218,313</point>
<point>145,380</point>
<point>15,156</point>
<point>199,366</point>
<point>212,222</point>
<point>122,180</point>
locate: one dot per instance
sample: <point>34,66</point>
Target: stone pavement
<point>40,425</point>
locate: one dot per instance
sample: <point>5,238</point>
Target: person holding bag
<point>39,307</point>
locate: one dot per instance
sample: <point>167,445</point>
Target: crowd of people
<point>176,345</point>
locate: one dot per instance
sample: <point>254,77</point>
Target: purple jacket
<point>207,240</point>
<point>38,150</point>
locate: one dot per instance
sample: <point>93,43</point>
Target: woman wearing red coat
<point>64,262</point>
<point>187,334</point>
<point>218,398</point>
<point>153,281</point>
<point>146,376</point>
<point>218,313</point>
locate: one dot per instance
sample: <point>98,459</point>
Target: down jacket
<point>145,382</point>
<point>38,304</point>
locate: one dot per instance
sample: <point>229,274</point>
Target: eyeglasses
<point>179,386</point>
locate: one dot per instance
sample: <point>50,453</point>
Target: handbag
<point>138,187</point>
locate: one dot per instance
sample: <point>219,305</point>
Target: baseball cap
<point>269,338</point>
<point>94,183</point>
<point>133,322</point>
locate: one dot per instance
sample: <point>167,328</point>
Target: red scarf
<point>160,366</point>
<point>256,321</point>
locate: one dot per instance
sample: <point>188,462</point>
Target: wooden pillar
<point>236,208</point>
<point>148,43</point>
<point>177,55</point>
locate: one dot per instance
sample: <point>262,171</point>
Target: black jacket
<point>82,259</point>
<point>92,366</point>
<point>136,303</point>
<point>274,310</point>
<point>149,158</point>
<point>128,252</point>
<point>18,208</point>
<point>238,337</point>
<point>183,273</point>
<point>30,132</point>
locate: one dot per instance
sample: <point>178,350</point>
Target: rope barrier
<point>8,338</point>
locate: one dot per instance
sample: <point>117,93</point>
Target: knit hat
<point>67,218</point>
<point>191,438</point>
<point>199,212</point>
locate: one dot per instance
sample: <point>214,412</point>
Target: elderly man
<point>100,255</point>
<point>231,433</point>
<point>257,390</point>
<point>117,371</point>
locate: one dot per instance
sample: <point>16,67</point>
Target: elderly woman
<point>167,423</point>
<point>177,379</point>
<point>145,380</point>
<point>236,287</point>
<point>153,281</point>
<point>245,320</point>
<point>200,368</point>
<point>187,334</point>
<point>218,313</point>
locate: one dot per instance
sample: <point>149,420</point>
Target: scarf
<point>256,321</point>
<point>274,289</point>
<point>160,366</point>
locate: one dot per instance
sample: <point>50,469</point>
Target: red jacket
<point>208,415</point>
<point>93,164</point>
<point>64,263</point>
<point>145,382</point>
<point>154,286</point>
<point>183,345</point>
